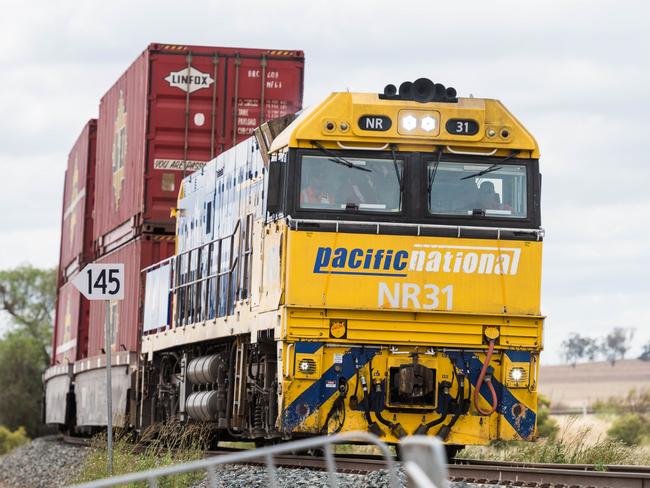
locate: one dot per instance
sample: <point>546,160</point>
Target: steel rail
<point>612,468</point>
<point>346,463</point>
<point>548,477</point>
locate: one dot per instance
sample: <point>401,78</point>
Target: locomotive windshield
<point>457,188</point>
<point>349,183</point>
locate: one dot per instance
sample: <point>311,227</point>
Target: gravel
<point>243,476</point>
<point>43,463</point>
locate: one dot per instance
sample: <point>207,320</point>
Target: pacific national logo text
<point>430,258</point>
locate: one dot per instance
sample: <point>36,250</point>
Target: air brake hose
<point>483,376</point>
<point>337,405</point>
<point>377,408</point>
<point>444,413</point>
<point>372,426</point>
<point>395,427</point>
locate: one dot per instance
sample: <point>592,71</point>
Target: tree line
<point>27,301</point>
<point>612,347</point>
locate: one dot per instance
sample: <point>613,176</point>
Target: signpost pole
<point>104,282</point>
<point>109,387</point>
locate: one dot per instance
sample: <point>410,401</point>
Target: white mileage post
<point>104,282</point>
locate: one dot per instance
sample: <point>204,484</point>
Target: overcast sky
<point>576,73</point>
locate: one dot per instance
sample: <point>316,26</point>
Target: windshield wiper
<point>397,173</point>
<point>338,159</point>
<point>432,172</point>
<point>396,166</point>
<point>493,167</point>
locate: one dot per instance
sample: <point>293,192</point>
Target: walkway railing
<point>200,283</point>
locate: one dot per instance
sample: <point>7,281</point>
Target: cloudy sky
<point>576,73</point>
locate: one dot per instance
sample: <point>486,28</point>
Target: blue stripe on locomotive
<point>521,418</point>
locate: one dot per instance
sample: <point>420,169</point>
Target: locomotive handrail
<point>214,275</point>
<point>362,148</point>
<point>160,263</point>
<point>157,264</point>
<point>472,153</point>
<point>537,232</point>
<point>176,286</point>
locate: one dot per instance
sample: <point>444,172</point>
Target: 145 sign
<point>101,281</point>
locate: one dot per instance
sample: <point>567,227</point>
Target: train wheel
<point>452,450</point>
<point>266,442</point>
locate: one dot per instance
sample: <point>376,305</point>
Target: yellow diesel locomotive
<point>373,264</point>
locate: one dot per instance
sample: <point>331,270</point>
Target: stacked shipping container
<point>174,109</point>
<point>70,341</point>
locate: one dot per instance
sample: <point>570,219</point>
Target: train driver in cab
<point>315,192</point>
<point>489,199</point>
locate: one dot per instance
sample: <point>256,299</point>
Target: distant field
<point>574,387</point>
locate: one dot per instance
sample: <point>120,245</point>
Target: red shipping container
<point>70,338</point>
<point>78,198</point>
<point>125,314</point>
<point>175,108</point>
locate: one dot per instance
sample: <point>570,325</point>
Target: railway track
<point>550,475</point>
<point>541,475</point>
<point>503,473</point>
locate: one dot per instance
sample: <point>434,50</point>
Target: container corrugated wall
<point>70,341</point>
<point>121,134</point>
<point>174,109</point>
<point>70,337</point>
<point>78,199</point>
<point>125,314</point>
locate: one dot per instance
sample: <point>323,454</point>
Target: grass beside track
<point>568,447</point>
<point>168,444</point>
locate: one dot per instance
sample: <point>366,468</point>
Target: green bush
<point>636,401</point>
<point>546,426</point>
<point>630,429</point>
<point>11,440</point>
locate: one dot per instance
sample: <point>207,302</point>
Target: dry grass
<point>594,427</point>
<point>576,443</point>
<point>165,444</point>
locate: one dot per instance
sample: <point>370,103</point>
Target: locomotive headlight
<point>418,123</point>
<point>307,366</point>
<point>517,374</point>
<point>409,122</point>
<point>428,123</point>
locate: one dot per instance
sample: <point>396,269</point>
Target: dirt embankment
<point>576,387</point>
